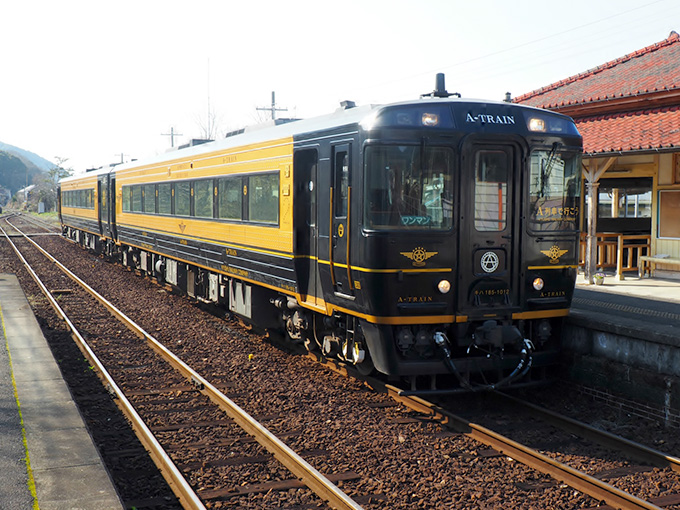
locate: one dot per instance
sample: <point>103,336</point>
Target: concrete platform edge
<point>60,450</point>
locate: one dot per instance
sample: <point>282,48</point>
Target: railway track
<point>502,444</point>
<point>175,400</point>
<point>426,416</point>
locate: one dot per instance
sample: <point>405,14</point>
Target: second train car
<point>433,240</point>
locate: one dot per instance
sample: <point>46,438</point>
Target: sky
<point>93,82</point>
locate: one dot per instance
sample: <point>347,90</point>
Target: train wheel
<point>311,345</point>
<point>366,367</point>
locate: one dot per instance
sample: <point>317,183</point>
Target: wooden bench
<point>646,264</point>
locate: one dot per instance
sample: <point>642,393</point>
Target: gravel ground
<point>403,461</point>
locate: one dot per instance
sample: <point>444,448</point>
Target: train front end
<point>470,241</point>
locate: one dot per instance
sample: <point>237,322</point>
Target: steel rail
<point>169,470</point>
<point>311,477</point>
<point>633,449</point>
<point>583,482</point>
<point>51,229</point>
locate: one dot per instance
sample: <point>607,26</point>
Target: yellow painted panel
<point>245,159</point>
<point>80,212</point>
<point>276,155</point>
<point>266,238</point>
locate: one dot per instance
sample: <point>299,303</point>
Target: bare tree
<point>46,185</point>
<point>208,125</point>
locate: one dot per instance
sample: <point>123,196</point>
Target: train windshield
<point>408,187</point>
<point>555,190</point>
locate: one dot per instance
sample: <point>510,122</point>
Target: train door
<point>112,206</point>
<point>339,238</point>
<point>489,228</point>
<point>103,204</point>
<point>106,191</point>
<point>305,165</point>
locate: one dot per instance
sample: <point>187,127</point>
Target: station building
<point>628,112</point>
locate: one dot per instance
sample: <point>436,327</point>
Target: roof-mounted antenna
<point>440,88</point>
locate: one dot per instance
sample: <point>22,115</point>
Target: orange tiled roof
<point>651,69</point>
<point>641,130</point>
<point>629,104</point>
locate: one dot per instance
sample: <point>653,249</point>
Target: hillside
<point>18,167</point>
<point>41,163</point>
<point>15,173</point>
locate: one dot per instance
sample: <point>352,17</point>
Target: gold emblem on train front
<point>419,255</point>
<point>554,253</point>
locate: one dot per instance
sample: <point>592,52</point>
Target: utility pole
<point>172,136</point>
<point>273,109</point>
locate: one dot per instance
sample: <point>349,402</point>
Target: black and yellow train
<point>434,240</point>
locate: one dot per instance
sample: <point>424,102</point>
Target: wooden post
<point>619,258</point>
<point>592,175</point>
<point>591,235</point>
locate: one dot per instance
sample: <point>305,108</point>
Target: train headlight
<point>444,286</point>
<point>538,283</point>
<point>536,124</point>
<point>430,119</point>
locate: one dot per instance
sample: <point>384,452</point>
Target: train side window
<point>341,164</point>
<point>203,198</point>
<point>150,198</point>
<point>491,191</point>
<point>136,198</point>
<point>263,198</point>
<point>126,198</point>
<point>230,198</point>
<point>165,198</point>
<point>183,198</point>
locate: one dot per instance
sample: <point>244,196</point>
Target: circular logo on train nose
<point>489,262</point>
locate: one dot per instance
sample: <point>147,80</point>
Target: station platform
<point>644,304</point>
<point>621,344</point>
<point>47,458</point>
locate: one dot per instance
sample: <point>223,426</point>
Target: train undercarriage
<point>465,357</point>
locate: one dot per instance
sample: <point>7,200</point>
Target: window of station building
<point>229,198</point>
<point>669,212</point>
<point>203,198</point>
<point>183,198</point>
<point>150,198</point>
<point>625,198</point>
<point>165,198</point>
<point>263,198</point>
